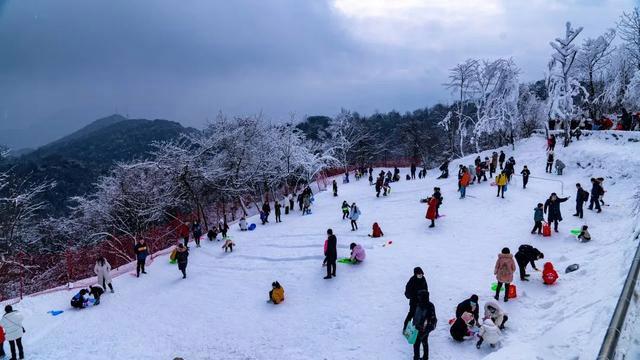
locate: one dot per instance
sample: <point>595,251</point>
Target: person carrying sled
<point>345,209</point>
<point>357,253</point>
<point>11,322</point>
<point>490,333</point>
<point>503,270</point>
<point>549,274</point>
<point>102,269</point>
<point>538,217</point>
<point>278,211</point>
<point>525,176</point>
<point>559,166</point>
<point>432,210</point>
<point>425,321</point>
<point>142,251</point>
<point>331,254</point>
<point>464,181</point>
<point>376,231</point>
<point>527,254</point>
<point>196,230</point>
<point>501,182</point>
<point>549,162</point>
<point>493,311</point>
<point>354,215</point>
<point>335,187</point>
<point>584,235</point>
<point>182,256</point>
<point>552,209</point>
<point>415,284</point>
<point>276,294</point>
<point>582,196</point>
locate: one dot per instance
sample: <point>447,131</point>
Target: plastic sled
<point>55,312</point>
<point>576,232</point>
<point>173,261</point>
<point>546,230</point>
<point>345,261</point>
<point>494,286</point>
<point>252,227</point>
<point>571,268</point>
<point>505,188</point>
<point>411,333</point>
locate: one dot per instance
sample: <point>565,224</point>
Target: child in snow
<point>549,274</point>
<point>243,224</point>
<point>81,299</point>
<point>584,235</point>
<point>493,311</point>
<point>212,234</point>
<point>469,305</point>
<point>559,167</point>
<point>182,255</point>
<point>377,231</point>
<point>538,216</point>
<point>357,253</point>
<point>228,244</point>
<point>504,269</point>
<point>460,327</point>
<point>465,179</point>
<point>355,214</point>
<point>549,161</point>
<point>432,210</point>
<point>490,333</point>
<point>276,294</point>
<point>525,176</point>
<point>345,210</point>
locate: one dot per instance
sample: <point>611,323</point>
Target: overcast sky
<point>65,63</point>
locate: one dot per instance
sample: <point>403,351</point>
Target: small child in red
<point>549,274</point>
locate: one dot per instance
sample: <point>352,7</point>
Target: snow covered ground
<point>220,310</point>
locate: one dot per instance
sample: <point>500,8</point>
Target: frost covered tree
<point>532,112</point>
<point>347,139</point>
<point>591,62</point>
<point>455,123</point>
<point>617,77</point>
<point>561,83</point>
<point>629,30</point>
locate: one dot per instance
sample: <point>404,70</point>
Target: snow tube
<point>576,232</point>
<point>345,261</point>
<point>571,268</point>
<point>252,227</point>
<point>55,312</point>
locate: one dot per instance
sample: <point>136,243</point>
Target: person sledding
<point>354,215</point>
<point>549,274</point>
<point>376,231</point>
<point>552,209</point>
<point>489,333</point>
<point>276,294</point>
<point>584,235</point>
<point>432,210</point>
<point>527,254</point>
<point>493,311</point>
<point>503,270</point>
<point>425,321</point>
<point>538,217</point>
<point>357,253</point>
<point>345,209</point>
<point>501,183</point>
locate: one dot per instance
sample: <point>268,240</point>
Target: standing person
<point>596,192</point>
<point>335,187</point>
<point>415,284</point>
<point>432,210</point>
<point>266,210</point>
<point>503,270</point>
<point>549,162</point>
<point>345,210</point>
<point>559,166</point>
<point>582,196</point>
<point>509,168</point>
<point>424,320</point>
<point>182,255</point>
<point>278,211</point>
<point>464,182</point>
<point>494,164</point>
<point>102,269</point>
<point>370,179</point>
<point>551,143</point>
<point>438,195</point>
<point>355,214</point>
<point>460,173</point>
<point>2,353</point>
<point>306,205</point>
<point>331,254</point>
<point>527,254</point>
<point>501,158</point>
<point>413,171</point>
<point>538,216</point>
<point>12,324</point>
<point>370,170</point>
<point>291,198</point>
<point>552,209</point>
<point>525,176</point>
<point>379,183</point>
<point>183,231</point>
<point>300,201</point>
<point>501,182</point>
<point>196,230</point>
<point>223,228</point>
<point>141,250</point>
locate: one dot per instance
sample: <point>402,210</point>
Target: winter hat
<point>8,309</point>
<point>467,317</point>
<point>352,246</point>
<point>506,250</point>
<point>417,270</point>
<point>474,298</point>
<point>329,232</point>
<point>488,322</point>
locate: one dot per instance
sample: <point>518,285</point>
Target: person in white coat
<point>490,333</point>
<point>354,215</point>
<point>493,311</point>
<point>12,324</point>
<point>103,270</point>
<point>243,224</point>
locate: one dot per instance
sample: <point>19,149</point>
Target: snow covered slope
<point>220,310</point>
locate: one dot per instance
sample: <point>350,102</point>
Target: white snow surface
<point>220,310</point>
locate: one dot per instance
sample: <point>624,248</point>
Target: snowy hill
<point>220,310</point>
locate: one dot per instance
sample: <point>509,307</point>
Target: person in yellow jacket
<point>501,182</point>
<point>276,295</point>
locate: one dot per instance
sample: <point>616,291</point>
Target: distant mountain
<point>77,160</point>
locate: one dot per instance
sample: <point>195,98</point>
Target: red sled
<point>512,292</point>
<point>546,230</point>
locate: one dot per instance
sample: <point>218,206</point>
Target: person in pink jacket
<point>504,269</point>
<point>357,253</point>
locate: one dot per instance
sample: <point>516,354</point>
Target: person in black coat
<point>552,208</point>
<point>501,159</point>
<point>266,209</point>
<point>196,230</point>
<point>141,252</point>
<point>278,211</point>
<point>596,191</point>
<point>527,254</point>
<point>445,170</point>
<point>331,254</point>
<point>459,329</point>
<point>413,171</point>
<point>582,196</point>
<point>415,284</point>
<point>425,321</point>
<point>182,255</point>
<point>525,176</point>
<point>471,306</point>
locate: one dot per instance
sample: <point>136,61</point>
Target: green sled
<point>494,286</point>
<point>576,232</point>
<point>345,261</point>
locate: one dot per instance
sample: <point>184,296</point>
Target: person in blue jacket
<point>142,251</point>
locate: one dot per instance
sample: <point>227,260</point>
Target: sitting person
<point>81,300</point>
<point>212,234</point>
<point>494,312</point>
<point>471,306</point>
<point>584,235</point>
<point>243,224</point>
<point>460,327</point>
<point>276,295</point>
<point>96,291</point>
<point>377,231</point>
<point>549,274</point>
<point>357,253</point>
<point>490,333</point>
<point>228,244</point>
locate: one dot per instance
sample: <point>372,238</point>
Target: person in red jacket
<point>2,353</point>
<point>549,274</point>
<point>431,210</point>
<point>377,232</point>
<point>183,232</point>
